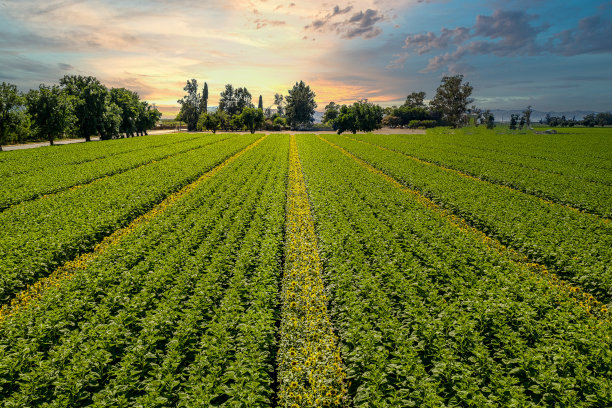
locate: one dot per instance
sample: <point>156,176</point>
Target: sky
<point>553,55</point>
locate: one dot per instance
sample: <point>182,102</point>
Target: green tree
<point>92,101</point>
<point>51,110</point>
<point>147,117</point>
<point>513,121</point>
<point>527,114</point>
<point>260,104</point>
<point>204,106</point>
<point>190,105</point>
<point>300,106</point>
<point>234,100</point>
<point>361,116</point>
<point>12,111</point>
<point>603,119</point>
<point>279,102</point>
<point>331,112</point>
<point>452,98</point>
<point>252,118</point>
<point>489,119</point>
<point>111,121</point>
<point>415,100</point>
<point>128,101</point>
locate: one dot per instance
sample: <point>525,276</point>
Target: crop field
<point>465,268</point>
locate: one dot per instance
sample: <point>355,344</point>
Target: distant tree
<point>279,102</point>
<point>129,103</point>
<point>331,112</point>
<point>521,122</point>
<point>111,122</point>
<point>513,121</point>
<point>260,104</point>
<point>589,120</point>
<point>300,106</point>
<point>489,119</point>
<point>280,122</point>
<point>527,114</point>
<point>204,105</point>
<point>361,116</point>
<point>346,120</point>
<point>51,110</point>
<point>236,122</point>
<point>603,119</point>
<point>252,118</point>
<point>12,111</point>
<point>415,100</point>
<point>92,103</point>
<point>148,116</point>
<point>234,100</point>
<point>452,98</point>
<point>213,121</point>
<point>190,105</point>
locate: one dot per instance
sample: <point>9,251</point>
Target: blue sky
<point>553,55</point>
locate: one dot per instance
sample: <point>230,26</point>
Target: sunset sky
<point>514,52</point>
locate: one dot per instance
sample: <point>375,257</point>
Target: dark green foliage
<point>452,99</point>
<point>234,100</point>
<point>92,104</point>
<point>51,110</point>
<point>361,116</point>
<point>331,112</point>
<point>252,119</point>
<point>12,111</point>
<point>190,105</point>
<point>300,106</point>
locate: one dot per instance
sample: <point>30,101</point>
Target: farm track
<point>23,299</point>
<point>580,296</point>
<point>53,192</point>
<point>310,368</point>
<point>543,198</point>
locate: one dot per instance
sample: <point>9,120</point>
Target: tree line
<point>296,110</point>
<point>78,106</point>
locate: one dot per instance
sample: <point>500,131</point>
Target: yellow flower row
<point>311,373</point>
<point>24,299</point>
<point>585,300</point>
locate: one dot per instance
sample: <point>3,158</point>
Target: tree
<point>603,118</point>
<point>12,113</point>
<point>51,110</point>
<point>489,119</point>
<point>92,101</point>
<point>190,105</point>
<point>452,98</point>
<point>204,106</point>
<point>415,100</point>
<point>148,116</point>
<point>513,121</point>
<point>361,116</point>
<point>252,118</point>
<point>111,122</point>
<point>331,112</point>
<point>527,114</point>
<point>233,101</point>
<point>279,102</point>
<point>260,104</point>
<point>301,105</point>
<point>128,101</point>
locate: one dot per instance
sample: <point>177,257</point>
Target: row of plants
<point>24,161</point>
<point>574,245</point>
<point>182,312</point>
<point>428,315</point>
<point>25,187</point>
<point>38,236</point>
<point>592,197</point>
<point>310,369</point>
<point>578,154</point>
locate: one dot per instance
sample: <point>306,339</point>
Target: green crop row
<point>38,236</point>
<point>591,196</point>
<point>428,315</point>
<point>33,185</point>
<point>26,161</point>
<point>182,312</point>
<point>576,246</point>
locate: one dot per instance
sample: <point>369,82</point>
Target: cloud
<point>593,35</point>
<point>507,34</point>
<point>359,24</point>
<point>262,22</point>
